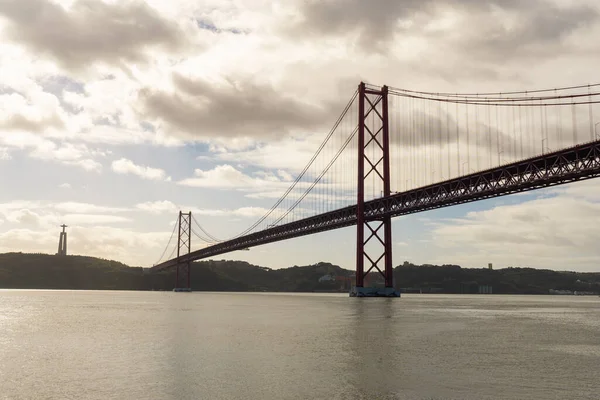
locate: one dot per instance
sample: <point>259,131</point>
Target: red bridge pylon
<point>374,152</point>
<point>184,242</point>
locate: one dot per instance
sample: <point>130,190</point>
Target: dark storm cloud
<point>495,27</point>
<point>200,109</point>
<point>90,31</point>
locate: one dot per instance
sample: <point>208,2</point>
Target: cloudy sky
<point>116,114</point>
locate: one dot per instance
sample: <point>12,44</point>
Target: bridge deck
<point>556,168</point>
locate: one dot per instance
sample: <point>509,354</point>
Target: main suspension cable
<point>299,177</point>
<point>211,237</point>
<point>462,95</point>
<point>510,102</point>
<point>168,243</point>
<point>203,238</point>
<point>319,177</point>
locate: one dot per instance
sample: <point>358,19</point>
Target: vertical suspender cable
<point>458,171</point>
<point>498,135</point>
<point>439,139</point>
<point>574,118</point>
<point>448,137</point>
<point>468,138</point>
<point>592,134</point>
<point>489,123</point>
<point>520,134</point>
<point>477,137</point>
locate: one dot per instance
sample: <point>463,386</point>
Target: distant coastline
<point>43,271</point>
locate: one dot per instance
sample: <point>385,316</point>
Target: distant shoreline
<point>50,272</point>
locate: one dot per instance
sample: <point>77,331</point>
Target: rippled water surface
<point>155,345</point>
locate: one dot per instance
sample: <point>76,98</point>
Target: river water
<point>159,345</point>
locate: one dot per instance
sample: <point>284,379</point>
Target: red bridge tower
<point>374,153</point>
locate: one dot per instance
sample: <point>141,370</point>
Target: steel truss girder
<point>573,164</point>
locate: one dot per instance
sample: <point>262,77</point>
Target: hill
<point>42,271</point>
<point>454,279</point>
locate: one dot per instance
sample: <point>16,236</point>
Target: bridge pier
<point>374,148</point>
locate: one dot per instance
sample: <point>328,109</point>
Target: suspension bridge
<point>394,152</point>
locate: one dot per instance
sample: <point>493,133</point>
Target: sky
<point>116,114</point>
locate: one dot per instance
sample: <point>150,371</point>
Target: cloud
<point>4,154</point>
<point>246,212</point>
<point>120,243</point>
<point>33,112</point>
<point>250,212</point>
<point>124,244</point>
<point>200,109</point>
<point>65,186</point>
<point>125,166</point>
<point>158,207</point>
<point>168,207</point>
<point>89,31</point>
<point>510,30</point>
<point>291,153</point>
<point>67,153</point>
<point>585,190</point>
<point>24,217</point>
<point>257,94</point>
<point>375,21</point>
<point>45,214</point>
<point>17,205</point>
<point>545,232</point>
<point>88,165</point>
<point>43,149</point>
<point>26,239</point>
<point>496,29</point>
<point>21,123</point>
<point>94,229</point>
<point>228,177</point>
<point>60,84</point>
<point>270,185</point>
<point>85,208</point>
<point>93,219</point>
<point>105,112</point>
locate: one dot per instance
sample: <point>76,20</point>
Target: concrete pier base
<point>373,292</point>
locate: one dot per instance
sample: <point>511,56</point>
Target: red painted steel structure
<point>184,241</point>
<point>373,132</point>
<point>572,164</point>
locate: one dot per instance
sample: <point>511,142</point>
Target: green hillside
<point>42,271</point>
<point>454,279</point>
